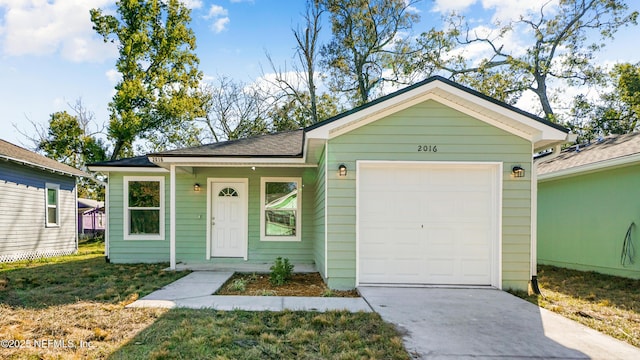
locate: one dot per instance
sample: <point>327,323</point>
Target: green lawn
<point>606,303</point>
<point>81,299</point>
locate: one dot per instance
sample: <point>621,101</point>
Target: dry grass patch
<point>72,299</point>
<point>606,303</point>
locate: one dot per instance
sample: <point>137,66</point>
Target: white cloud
<point>113,76</point>
<point>216,11</point>
<point>220,24</point>
<point>192,4</point>
<point>41,27</point>
<point>242,1</point>
<point>220,18</point>
<point>445,6</point>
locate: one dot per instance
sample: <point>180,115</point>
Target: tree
<point>559,52</point>
<point>233,110</point>
<point>614,112</point>
<point>159,68</point>
<point>289,115</point>
<point>69,141</point>
<point>366,45</point>
<point>299,85</point>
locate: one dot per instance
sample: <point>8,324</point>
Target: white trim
<point>326,209</point>
<point>534,220</point>
<point>75,201</point>
<point>106,211</point>
<point>593,167</point>
<point>245,209</point>
<point>172,217</point>
<point>189,161</point>
<point>449,96</point>
<point>56,223</point>
<point>107,169</point>
<point>125,206</point>
<point>496,246</point>
<point>42,167</point>
<point>298,236</point>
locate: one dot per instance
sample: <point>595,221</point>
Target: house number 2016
<point>427,148</point>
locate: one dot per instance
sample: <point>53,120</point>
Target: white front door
<point>228,219</point>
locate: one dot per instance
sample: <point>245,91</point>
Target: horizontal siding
<point>191,219</point>
<point>582,220</point>
<point>458,137</point>
<point>23,209</point>
<point>133,251</point>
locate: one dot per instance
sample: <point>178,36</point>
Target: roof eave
<point>43,167</point>
<point>592,167</point>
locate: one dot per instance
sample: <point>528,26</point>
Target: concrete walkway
<point>194,291</point>
<point>442,323</point>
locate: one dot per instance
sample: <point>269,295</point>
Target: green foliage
<point>557,49</point>
<point>155,98</point>
<point>281,271</point>
<point>614,112</point>
<point>366,42</point>
<point>238,285</point>
<point>291,116</point>
<point>68,141</point>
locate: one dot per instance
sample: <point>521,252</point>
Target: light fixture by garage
<point>342,170</point>
<point>196,187</point>
<point>517,171</point>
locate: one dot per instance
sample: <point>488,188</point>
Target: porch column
<point>172,217</point>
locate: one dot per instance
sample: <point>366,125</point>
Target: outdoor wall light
<point>517,171</point>
<point>196,187</point>
<point>342,170</point>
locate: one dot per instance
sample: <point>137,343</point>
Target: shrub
<point>281,272</point>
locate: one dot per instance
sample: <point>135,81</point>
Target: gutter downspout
<point>108,217</point>
<point>534,226</point>
<point>172,217</point>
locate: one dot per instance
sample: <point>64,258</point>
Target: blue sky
<point>50,56</point>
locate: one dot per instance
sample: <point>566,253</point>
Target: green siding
<point>134,251</point>
<point>191,219</point>
<point>458,137</point>
<point>319,216</point>
<point>582,220</point>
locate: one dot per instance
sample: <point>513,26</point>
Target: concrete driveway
<point>447,323</point>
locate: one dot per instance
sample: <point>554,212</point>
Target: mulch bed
<point>301,284</point>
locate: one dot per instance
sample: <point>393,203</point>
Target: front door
<point>229,218</point>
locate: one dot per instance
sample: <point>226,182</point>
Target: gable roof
<point>283,144</point>
<point>542,133</point>
<point>298,146</point>
<point>20,155</point>
<point>612,151</point>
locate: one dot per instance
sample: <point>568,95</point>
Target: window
<point>280,200</point>
<point>144,207</point>
<point>52,193</point>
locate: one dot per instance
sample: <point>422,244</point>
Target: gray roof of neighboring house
<point>282,144</point>
<point>137,161</point>
<point>599,151</point>
<point>89,203</point>
<point>15,153</point>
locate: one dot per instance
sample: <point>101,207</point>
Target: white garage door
<point>426,223</point>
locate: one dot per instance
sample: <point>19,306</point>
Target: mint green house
<point>588,199</point>
<point>432,184</point>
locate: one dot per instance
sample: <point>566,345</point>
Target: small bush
<point>238,285</point>
<point>281,272</point>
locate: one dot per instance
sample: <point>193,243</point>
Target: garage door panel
<point>427,224</point>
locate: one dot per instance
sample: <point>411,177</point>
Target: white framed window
<point>280,209</point>
<point>144,208</point>
<point>52,201</point>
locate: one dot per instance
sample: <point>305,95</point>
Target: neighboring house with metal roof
<point>429,185</point>
<point>588,201</point>
<point>38,196</point>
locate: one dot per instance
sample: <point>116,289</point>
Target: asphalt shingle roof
<point>282,144</point>
<point>609,148</point>
<point>19,154</point>
<point>137,161</point>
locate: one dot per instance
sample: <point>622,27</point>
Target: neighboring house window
<point>281,202</point>
<point>53,201</point>
<point>144,208</point>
